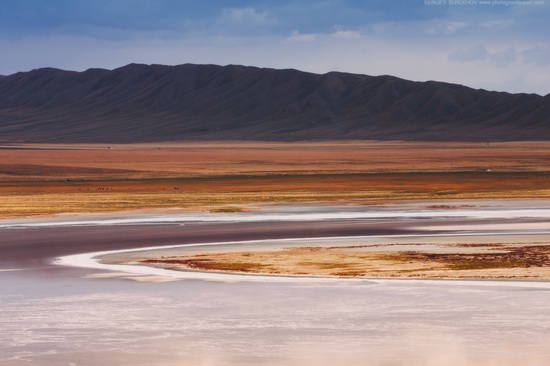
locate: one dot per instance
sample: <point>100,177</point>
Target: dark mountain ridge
<point>138,103</point>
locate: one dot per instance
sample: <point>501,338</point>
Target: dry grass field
<point>525,261</point>
<point>49,179</point>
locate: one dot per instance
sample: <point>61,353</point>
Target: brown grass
<point>186,159</point>
<point>496,260</point>
<point>522,257</point>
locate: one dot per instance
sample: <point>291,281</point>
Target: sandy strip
<point>91,260</point>
<point>509,227</point>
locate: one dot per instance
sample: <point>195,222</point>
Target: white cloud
<point>245,16</point>
<point>384,27</point>
<point>498,24</point>
<point>345,34</point>
<point>443,28</point>
<point>453,27</point>
<point>300,37</point>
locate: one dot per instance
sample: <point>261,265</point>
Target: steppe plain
<point>46,179</point>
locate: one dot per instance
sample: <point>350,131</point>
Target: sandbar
<point>491,257</point>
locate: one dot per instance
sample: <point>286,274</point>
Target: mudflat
<point>46,179</point>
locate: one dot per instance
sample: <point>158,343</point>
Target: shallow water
<point>55,316</point>
<point>84,321</point>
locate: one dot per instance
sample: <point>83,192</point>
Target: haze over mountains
<point>138,103</point>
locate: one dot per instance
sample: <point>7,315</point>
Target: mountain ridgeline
<point>140,103</point>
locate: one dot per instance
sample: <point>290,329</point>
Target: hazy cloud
<point>444,28</point>
<point>299,37</point>
<point>474,53</point>
<point>245,16</point>
<point>453,27</point>
<point>340,33</point>
<point>498,24</point>
<point>504,58</point>
<point>537,55</point>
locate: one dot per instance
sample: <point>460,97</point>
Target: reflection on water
<point>76,321</point>
<point>53,315</point>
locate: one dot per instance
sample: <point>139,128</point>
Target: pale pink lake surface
<point>62,315</point>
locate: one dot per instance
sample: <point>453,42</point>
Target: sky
<point>499,45</point>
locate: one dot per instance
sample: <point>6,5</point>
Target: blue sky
<point>496,45</point>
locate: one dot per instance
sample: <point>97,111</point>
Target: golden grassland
<point>527,261</point>
<point>223,176</point>
<point>226,194</point>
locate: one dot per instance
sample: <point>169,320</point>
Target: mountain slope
<point>155,103</point>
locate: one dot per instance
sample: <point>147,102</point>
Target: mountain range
<point>140,103</point>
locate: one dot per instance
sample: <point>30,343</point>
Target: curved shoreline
<point>32,244</point>
<point>91,260</point>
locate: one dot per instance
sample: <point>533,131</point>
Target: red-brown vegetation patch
<point>521,257</point>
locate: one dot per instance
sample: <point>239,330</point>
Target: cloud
<point>244,16</point>
<point>475,53</point>
<point>384,27</point>
<point>498,24</point>
<point>502,58</point>
<point>299,37</point>
<point>453,27</point>
<point>245,22</point>
<point>340,33</point>
<point>443,27</point>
